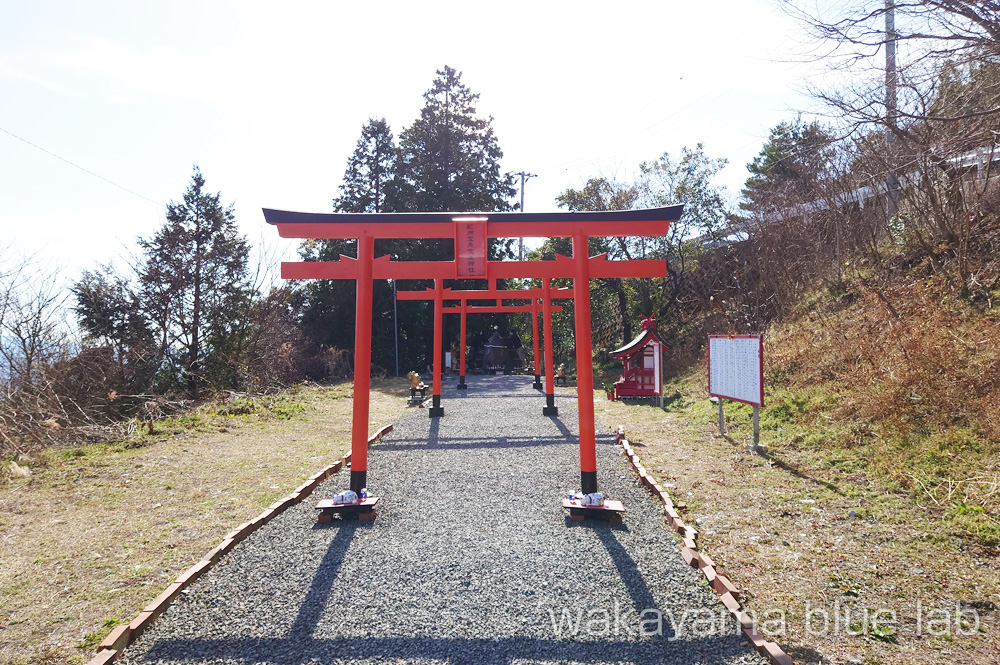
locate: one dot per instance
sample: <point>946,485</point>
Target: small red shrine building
<point>642,375</point>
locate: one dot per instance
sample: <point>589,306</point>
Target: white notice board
<point>736,368</point>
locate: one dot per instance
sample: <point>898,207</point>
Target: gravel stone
<point>471,560</point>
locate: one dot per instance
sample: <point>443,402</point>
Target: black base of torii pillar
<point>436,410</point>
<point>550,408</point>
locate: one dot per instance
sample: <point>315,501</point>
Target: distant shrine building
<point>642,370</point>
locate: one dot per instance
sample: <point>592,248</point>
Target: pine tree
<point>194,280</point>
<point>449,159</point>
<point>369,170</point>
<point>787,169</point>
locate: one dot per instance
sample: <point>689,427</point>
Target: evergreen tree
<point>369,170</point>
<point>787,169</point>
<point>449,159</point>
<point>194,281</point>
<point>111,314</point>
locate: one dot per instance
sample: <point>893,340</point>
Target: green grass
<point>91,640</point>
<point>808,427</point>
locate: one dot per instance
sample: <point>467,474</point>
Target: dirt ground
<point>98,531</point>
<point>835,572</point>
<point>835,568</point>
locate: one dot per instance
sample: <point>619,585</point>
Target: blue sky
<point>268,99</point>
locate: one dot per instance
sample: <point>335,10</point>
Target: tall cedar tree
<point>369,170</point>
<point>194,280</point>
<point>448,160</point>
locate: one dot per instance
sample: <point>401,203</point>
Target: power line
<point>87,171</point>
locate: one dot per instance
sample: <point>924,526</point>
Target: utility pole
<point>524,176</point>
<point>891,116</point>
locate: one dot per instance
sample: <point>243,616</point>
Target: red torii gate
<point>464,309</point>
<point>470,232</point>
<point>499,295</point>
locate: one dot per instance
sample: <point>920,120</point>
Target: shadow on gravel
<point>570,641</point>
<point>562,427</point>
<point>473,395</point>
<point>628,570</point>
<point>315,601</point>
<point>455,651</point>
<point>433,438</point>
<point>472,443</point>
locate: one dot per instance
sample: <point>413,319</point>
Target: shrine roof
<point>667,213</point>
<point>638,342</point>
<point>642,222</point>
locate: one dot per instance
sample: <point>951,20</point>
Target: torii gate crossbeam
<point>471,232</point>
<point>498,295</point>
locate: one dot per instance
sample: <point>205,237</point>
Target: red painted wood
<point>584,353</point>
<point>470,247</point>
<point>496,227</point>
<point>504,224</point>
<point>438,335</point>
<point>581,268</point>
<point>461,349</point>
<point>494,309</point>
<point>362,354</point>
<point>534,334</point>
<point>485,294</point>
<point>550,382</point>
<point>446,229</point>
<point>383,268</point>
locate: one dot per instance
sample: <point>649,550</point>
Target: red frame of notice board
<point>760,358</point>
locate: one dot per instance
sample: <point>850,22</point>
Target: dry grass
<point>781,527</point>
<point>99,530</point>
<point>881,487</point>
<point>913,391</point>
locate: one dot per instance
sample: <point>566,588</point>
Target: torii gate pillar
<point>436,410</point>
<point>362,364</point>
<point>584,365</point>
<point>550,408</point>
<point>537,385</point>
<point>461,353</point>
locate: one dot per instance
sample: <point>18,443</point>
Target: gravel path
<point>471,560</point>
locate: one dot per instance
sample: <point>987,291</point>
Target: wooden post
<point>534,338</point>
<point>362,364</point>
<point>757,448</point>
<point>461,352</point>
<point>584,364</point>
<point>550,408</point>
<point>436,410</point>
